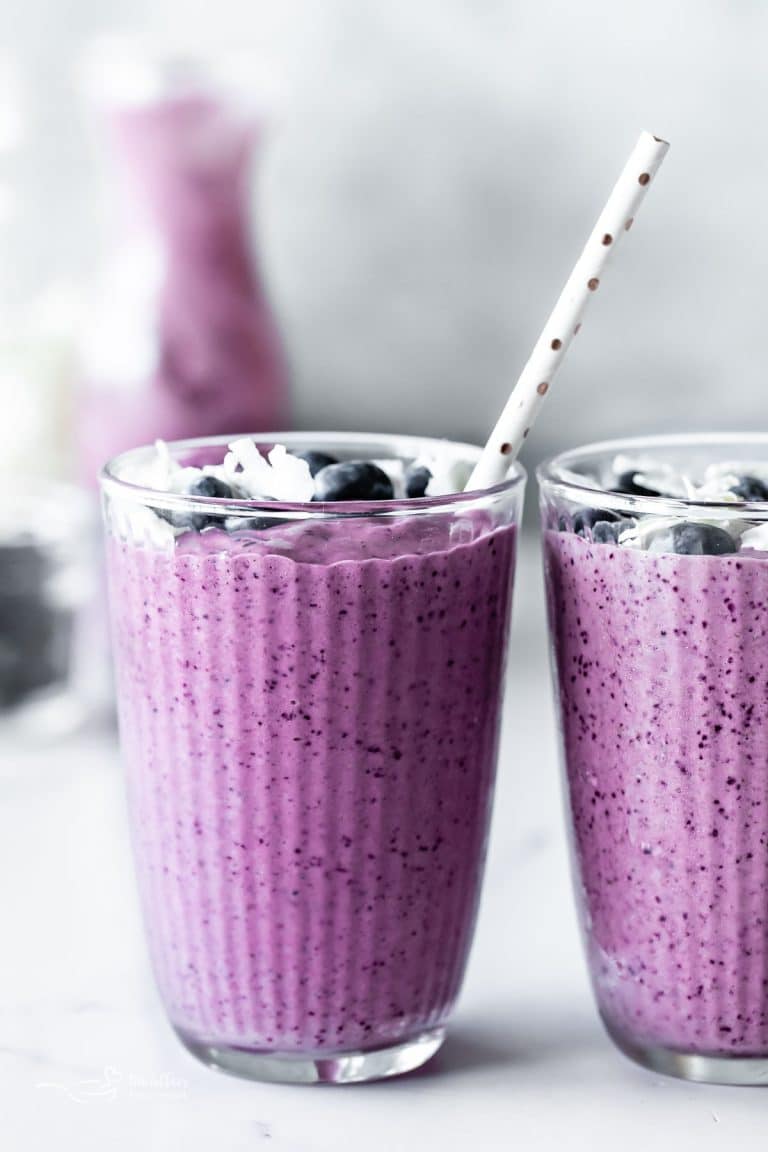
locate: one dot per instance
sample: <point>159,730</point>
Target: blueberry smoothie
<point>660,639</point>
<point>309,715</point>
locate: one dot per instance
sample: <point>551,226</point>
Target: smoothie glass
<point>309,702</point>
<point>661,669</point>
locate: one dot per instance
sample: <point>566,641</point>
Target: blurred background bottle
<point>156,323</point>
<point>45,555</point>
<point>180,340</point>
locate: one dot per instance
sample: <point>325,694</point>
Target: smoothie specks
<point>668,777</point>
<point>310,756</point>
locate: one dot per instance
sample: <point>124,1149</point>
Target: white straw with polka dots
<point>533,384</point>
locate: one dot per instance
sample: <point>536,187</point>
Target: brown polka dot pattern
<point>643,178</point>
<point>629,224</point>
<point>506,449</point>
<point>556,344</point>
<point>542,388</point>
<point>607,239</point>
<point>593,284</point>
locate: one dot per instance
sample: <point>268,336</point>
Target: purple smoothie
<point>662,669</point>
<point>309,718</point>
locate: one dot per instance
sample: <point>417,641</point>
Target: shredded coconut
<point>279,477</point>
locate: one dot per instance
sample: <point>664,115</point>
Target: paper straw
<point>535,380</point>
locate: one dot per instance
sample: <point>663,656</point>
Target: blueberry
<point>750,488</point>
<point>353,480</point>
<point>416,479</point>
<point>604,532</point>
<point>584,518</point>
<point>211,486</point>
<point>191,521</point>
<point>208,486</point>
<point>316,461</point>
<point>701,540</point>
<point>626,485</point>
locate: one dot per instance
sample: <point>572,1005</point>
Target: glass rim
<point>111,483</point>
<point>554,475</point>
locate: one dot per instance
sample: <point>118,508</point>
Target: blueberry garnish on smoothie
<point>316,461</point>
<point>605,532</point>
<point>211,486</point>
<point>678,534</point>
<point>184,521</point>
<point>598,524</point>
<point>586,518</point>
<point>208,487</point>
<point>628,485</point>
<point>417,477</point>
<point>750,488</point>
<point>701,540</point>
<point>353,480</point>
<point>279,476</point>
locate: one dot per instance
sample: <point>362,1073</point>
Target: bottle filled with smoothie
<point>656,563</point>
<point>310,642</point>
<point>183,340</point>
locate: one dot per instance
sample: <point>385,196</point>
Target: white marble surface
<point>87,1061</point>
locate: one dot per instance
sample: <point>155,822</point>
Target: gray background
<point>431,175</point>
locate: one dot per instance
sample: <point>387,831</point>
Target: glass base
<point>305,1068</point>
<point>745,1071</point>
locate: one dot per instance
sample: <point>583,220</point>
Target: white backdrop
<point>434,170</point>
